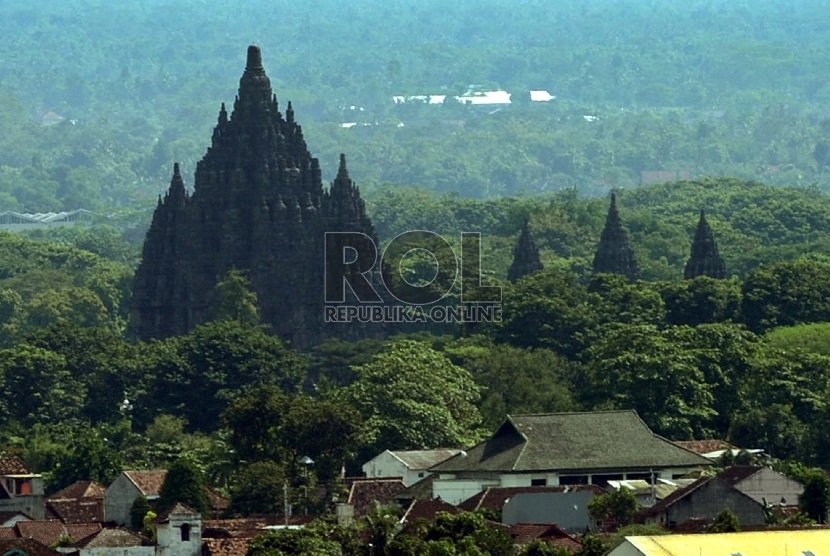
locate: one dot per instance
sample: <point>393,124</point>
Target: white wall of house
<point>455,491</point>
<point>181,535</point>
<point>118,499</point>
<point>118,551</point>
<point>386,465</point>
<point>626,549</point>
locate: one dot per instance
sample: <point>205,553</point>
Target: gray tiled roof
<point>424,459</point>
<point>569,442</point>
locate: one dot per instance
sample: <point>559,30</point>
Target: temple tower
<point>614,255</point>
<point>705,260</point>
<point>258,205</point>
<point>525,255</point>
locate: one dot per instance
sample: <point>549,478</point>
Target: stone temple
<point>257,205</point>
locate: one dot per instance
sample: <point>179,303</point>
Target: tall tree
<point>184,483</point>
<point>413,397</point>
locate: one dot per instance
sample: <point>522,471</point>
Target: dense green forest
<point>708,88</point>
<point>97,100</point>
<point>743,358</point>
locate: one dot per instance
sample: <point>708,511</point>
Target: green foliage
<point>471,533</point>
<point>516,380</point>
<point>813,337</point>
<point>541,548</point>
<point>184,483</point>
<point>725,522</point>
<point>138,510</point>
<point>288,542</point>
<point>649,370</point>
<point>258,488</point>
<point>551,310</point>
<point>268,425</point>
<point>37,387</point>
<point>593,545</point>
<point>236,301</point>
<point>619,506</point>
<point>89,456</point>
<point>785,294</point>
<point>413,397</point>
<point>215,363</point>
<point>815,500</point>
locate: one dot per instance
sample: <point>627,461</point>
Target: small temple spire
<point>177,191</point>
<point>254,58</point>
<point>525,255</point>
<point>705,259</point>
<point>342,171</point>
<point>614,254</point>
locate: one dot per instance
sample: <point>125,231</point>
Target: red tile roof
<point>525,533</point>
<point>50,532</point>
<point>704,446</point>
<point>77,511</point>
<point>494,498</point>
<point>738,473</point>
<point>8,533</point>
<point>80,489</point>
<point>109,538</point>
<point>148,482</point>
<point>426,509</point>
<point>11,465</point>
<point>27,546</point>
<point>365,493</point>
<point>225,547</point>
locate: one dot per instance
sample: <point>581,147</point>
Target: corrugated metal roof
<point>756,543</point>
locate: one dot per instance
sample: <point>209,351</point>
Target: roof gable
<point>109,538</point>
<point>494,498</point>
<point>79,489</point>
<point>148,482</point>
<point>26,546</point>
<point>588,441</point>
<point>423,459</point>
<point>12,465</point>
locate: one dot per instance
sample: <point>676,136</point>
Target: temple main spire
<point>525,255</point>
<point>258,205</point>
<point>614,254</point>
<point>705,259</point>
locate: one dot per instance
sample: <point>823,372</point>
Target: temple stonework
<point>705,260</point>
<point>614,255</point>
<point>258,205</point>
<point>525,255</point>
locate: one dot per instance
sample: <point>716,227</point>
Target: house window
<point>186,532</point>
<point>538,482</point>
<point>421,475</point>
<point>573,480</point>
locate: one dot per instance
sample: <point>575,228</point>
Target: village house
<point>80,502</point>
<point>129,485</point>
<point>179,532</point>
<point>565,505</point>
<point>20,489</point>
<point>563,449</point>
<point>703,500</point>
<point>410,465</point>
<point>763,484</point>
